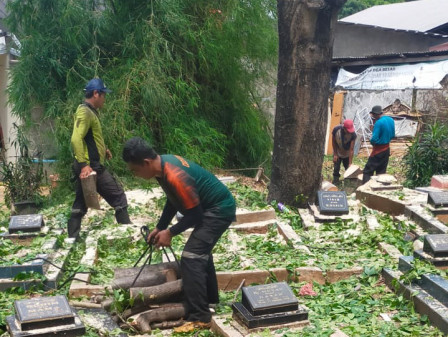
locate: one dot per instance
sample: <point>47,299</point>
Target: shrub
<point>183,73</point>
<point>427,156</point>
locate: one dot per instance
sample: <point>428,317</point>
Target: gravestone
<point>44,316</point>
<point>268,304</point>
<point>435,250</point>
<point>436,245</point>
<point>26,223</point>
<point>332,203</point>
<point>438,199</point>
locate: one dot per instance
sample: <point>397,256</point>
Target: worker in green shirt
<point>90,154</point>
<point>207,206</point>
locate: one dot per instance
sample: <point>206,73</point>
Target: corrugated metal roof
<point>422,15</point>
<point>394,29</point>
<point>392,58</point>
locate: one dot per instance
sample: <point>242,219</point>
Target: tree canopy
<point>184,73</point>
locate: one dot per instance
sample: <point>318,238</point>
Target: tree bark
<point>305,49</point>
<point>147,279</point>
<point>157,294</point>
<point>167,324</point>
<point>171,312</point>
<point>136,309</point>
<point>129,272</point>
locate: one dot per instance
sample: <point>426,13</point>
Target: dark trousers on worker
<point>108,188</point>
<point>337,168</point>
<point>198,270</point>
<point>377,163</point>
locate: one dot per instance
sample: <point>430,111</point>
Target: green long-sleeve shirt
<point>87,138</point>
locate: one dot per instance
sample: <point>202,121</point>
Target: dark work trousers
<point>337,167</point>
<point>377,163</point>
<point>107,187</point>
<point>198,270</point>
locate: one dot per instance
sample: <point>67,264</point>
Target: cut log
<point>143,321</point>
<point>170,291</point>
<point>129,272</point>
<point>150,278</point>
<point>167,324</point>
<point>107,304</point>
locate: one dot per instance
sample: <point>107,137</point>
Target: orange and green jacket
<point>193,191</point>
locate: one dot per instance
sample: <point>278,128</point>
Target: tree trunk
<point>157,294</point>
<point>171,312</point>
<point>305,49</point>
<point>129,272</point>
<point>147,279</point>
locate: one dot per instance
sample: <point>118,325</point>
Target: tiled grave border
<point>52,274</point>
<point>222,328</point>
<point>231,280</point>
<point>424,303</point>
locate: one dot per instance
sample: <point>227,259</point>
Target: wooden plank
<point>336,118</point>
<point>244,216</point>
<point>78,289</point>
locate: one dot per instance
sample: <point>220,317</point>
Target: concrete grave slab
<point>390,250</point>
<point>438,262</point>
<point>227,179</point>
<point>421,216</point>
<point>352,172</point>
<point>307,219</point>
<point>232,280</point>
<point>260,227</point>
<point>392,202</point>
<point>424,303</point>
<point>100,320</point>
<point>336,275</point>
<point>246,216</point>
<point>227,327</point>
<point>318,217</point>
<point>338,333</point>
<point>291,236</point>
<point>327,186</point>
<point>309,274</point>
<point>427,189</point>
<point>372,222</point>
<point>51,272</point>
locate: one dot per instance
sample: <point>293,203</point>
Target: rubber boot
<point>74,225</point>
<point>122,216</point>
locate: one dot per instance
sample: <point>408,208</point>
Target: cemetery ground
<point>334,268</point>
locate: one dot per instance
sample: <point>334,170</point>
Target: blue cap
<point>96,84</point>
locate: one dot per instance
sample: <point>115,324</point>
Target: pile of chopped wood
<point>156,296</point>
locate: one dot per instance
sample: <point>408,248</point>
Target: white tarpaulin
<point>419,76</point>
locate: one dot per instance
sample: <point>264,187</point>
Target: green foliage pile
<point>354,306</point>
<point>183,73</point>
<point>427,156</point>
<point>355,6</point>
